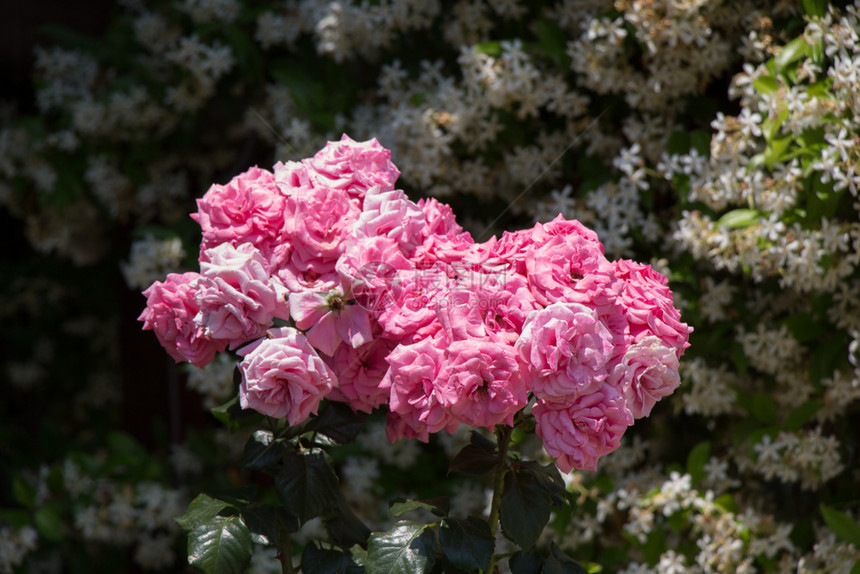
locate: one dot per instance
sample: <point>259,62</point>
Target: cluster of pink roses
<point>393,304</point>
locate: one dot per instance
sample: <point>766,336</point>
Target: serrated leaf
<point>263,451</point>
<point>467,543</point>
<point>338,422</point>
<point>842,525</point>
<point>306,484</point>
<point>223,546</point>
<point>266,523</point>
<point>344,527</point>
<point>407,548</point>
<point>203,509</point>
<point>524,509</point>
<point>321,558</point>
<point>696,461</point>
<point>438,506</point>
<point>560,563</point>
<point>473,460</point>
<point>525,562</point>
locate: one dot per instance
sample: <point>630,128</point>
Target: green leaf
<point>321,558</point>
<point>467,543</point>
<point>525,562</point>
<point>802,414</point>
<point>560,563</point>
<point>493,48</point>
<point>263,451</point>
<point>338,422</point>
<point>474,460</point>
<point>407,548</point>
<point>524,509</point>
<point>222,546</point>
<point>739,218</point>
<point>234,416</point>
<point>842,525</point>
<point>202,510</point>
<point>552,41</point>
<point>856,568</point>
<point>814,8</point>
<point>763,407</point>
<point>23,491</point>
<point>49,524</point>
<point>765,84</point>
<point>266,523</point>
<point>344,527</point>
<point>438,506</point>
<point>306,484</point>
<point>790,53</point>
<point>696,461</point>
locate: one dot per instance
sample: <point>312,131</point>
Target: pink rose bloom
<point>568,350</point>
<point>291,177</point>
<point>555,268</point>
<point>283,377</point>
<point>329,319</point>
<point>481,383</point>
<point>564,227</point>
<point>439,218</point>
<point>579,433</point>
<point>360,372</point>
<point>485,306</point>
<point>508,254</point>
<point>411,314</point>
<point>411,378</point>
<point>392,215</point>
<point>317,220</point>
<point>236,299</point>
<point>369,266</point>
<point>352,166</point>
<point>170,311</point>
<point>458,250</point>
<point>647,373</point>
<point>647,301</point>
<point>248,209</point>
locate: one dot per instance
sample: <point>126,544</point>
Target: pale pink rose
<point>283,377</point>
<point>368,268</point>
<point>236,298</point>
<point>647,373</point>
<point>485,306</point>
<point>248,209</point>
<point>411,313</point>
<point>648,305</point>
<point>352,166</point>
<point>291,177</point>
<point>439,218</point>
<point>392,215</point>
<point>329,319</point>
<point>554,268</point>
<point>577,434</point>
<point>568,351</point>
<point>170,311</point>
<point>360,372</point>
<point>317,220</point>
<point>481,383</point>
<point>411,378</point>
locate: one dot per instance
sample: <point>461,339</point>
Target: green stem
<point>286,547</point>
<point>503,436</point>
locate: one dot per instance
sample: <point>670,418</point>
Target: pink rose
<point>392,215</point>
<point>555,268</point>
<point>411,313</point>
<point>352,166</point>
<point>481,383</point>
<point>564,227</point>
<point>170,311</point>
<point>248,209</point>
<point>282,376</point>
<point>439,218</point>
<point>579,433</point>
<point>329,319</point>
<point>360,372</point>
<point>647,373</point>
<point>411,378</point>
<point>368,267</point>
<point>647,302</point>
<point>317,220</point>
<point>236,299</point>
<point>568,350</point>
